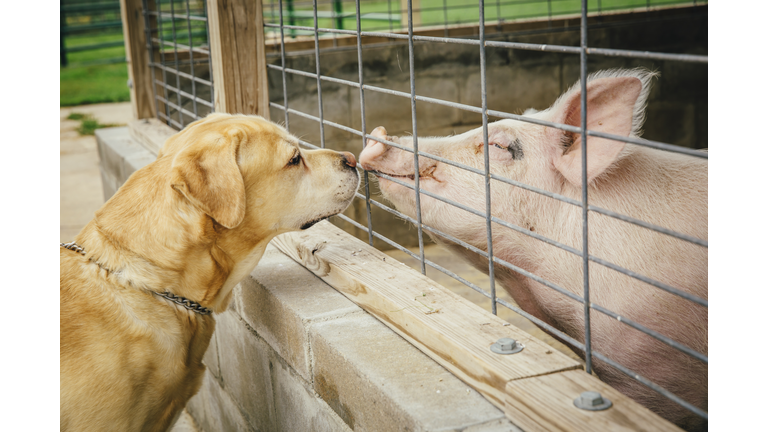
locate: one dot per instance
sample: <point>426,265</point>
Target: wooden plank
<point>545,403</point>
<point>134,36</point>
<point>150,133</point>
<point>236,38</point>
<point>448,328</point>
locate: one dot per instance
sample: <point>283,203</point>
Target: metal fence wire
<point>179,59</point>
<point>185,95</point>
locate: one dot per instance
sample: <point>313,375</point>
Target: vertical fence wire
<point>317,69</point>
<point>176,63</point>
<point>161,49</point>
<point>412,73</point>
<point>282,58</point>
<point>191,59</point>
<point>150,52</point>
<point>210,63</point>
<point>584,189</point>
<point>362,116</point>
<point>486,157</point>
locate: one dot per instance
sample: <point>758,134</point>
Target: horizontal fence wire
<point>501,114</point>
<point>650,281</point>
<point>481,42</point>
<point>171,35</point>
<point>559,334</point>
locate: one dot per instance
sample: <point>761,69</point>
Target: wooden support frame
<point>415,11</point>
<point>535,388</point>
<point>238,61</point>
<point>140,78</point>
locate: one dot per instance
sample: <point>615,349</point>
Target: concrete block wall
<point>293,354</point>
<point>119,157</point>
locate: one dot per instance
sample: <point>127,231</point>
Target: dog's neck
<point>170,246</point>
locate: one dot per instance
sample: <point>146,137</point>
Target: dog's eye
<point>295,159</point>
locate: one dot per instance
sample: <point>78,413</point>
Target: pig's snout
<point>373,149</point>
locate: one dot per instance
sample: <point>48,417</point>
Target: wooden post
<point>62,33</point>
<point>238,61</point>
<point>416,11</point>
<point>138,60</point>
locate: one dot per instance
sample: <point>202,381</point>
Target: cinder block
<point>211,357</point>
<point>281,299</point>
<point>117,146</point>
<point>244,364</point>
<point>375,380</point>
<point>137,161</point>
<point>297,406</point>
<point>108,184</point>
<point>110,158</point>
<point>214,410</point>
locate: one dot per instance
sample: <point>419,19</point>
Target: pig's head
<point>540,156</point>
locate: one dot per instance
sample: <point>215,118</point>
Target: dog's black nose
<point>349,159</point>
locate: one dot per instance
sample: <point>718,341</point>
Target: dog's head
<point>249,175</point>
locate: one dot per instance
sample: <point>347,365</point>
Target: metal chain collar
<point>183,301</point>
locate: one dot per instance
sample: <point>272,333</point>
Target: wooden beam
<point>135,38</point>
<point>545,403</point>
<point>448,328</point>
<point>415,12</point>
<point>236,38</point>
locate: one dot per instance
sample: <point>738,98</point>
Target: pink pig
<point>662,188</point>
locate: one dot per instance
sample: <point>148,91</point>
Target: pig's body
<point>661,188</point>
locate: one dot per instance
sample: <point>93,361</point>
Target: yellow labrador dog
<point>141,280</point>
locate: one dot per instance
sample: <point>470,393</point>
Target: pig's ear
<point>611,108</point>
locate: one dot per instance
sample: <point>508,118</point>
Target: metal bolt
<point>507,346</point>
<point>592,401</point>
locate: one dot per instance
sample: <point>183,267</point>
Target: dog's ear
<point>207,174</point>
<point>611,108</point>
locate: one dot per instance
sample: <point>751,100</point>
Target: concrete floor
<point>80,191</point>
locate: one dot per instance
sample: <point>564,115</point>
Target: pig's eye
<point>497,145</point>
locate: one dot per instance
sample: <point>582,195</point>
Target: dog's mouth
<point>311,223</point>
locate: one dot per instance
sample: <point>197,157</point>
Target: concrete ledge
<point>119,157</point>
<point>296,355</point>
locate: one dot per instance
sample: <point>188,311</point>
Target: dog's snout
<point>349,159</point>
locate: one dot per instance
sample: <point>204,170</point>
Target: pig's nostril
<point>349,159</point>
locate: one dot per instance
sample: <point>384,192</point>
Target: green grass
<point>80,85</point>
<point>83,83</point>
<point>458,11</point>
<point>88,124</point>
<point>75,116</point>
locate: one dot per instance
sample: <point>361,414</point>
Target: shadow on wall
<point>516,80</point>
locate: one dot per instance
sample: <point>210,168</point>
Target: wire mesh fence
<point>339,69</point>
<point>327,20</point>
<point>90,33</point>
<point>179,60</point>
